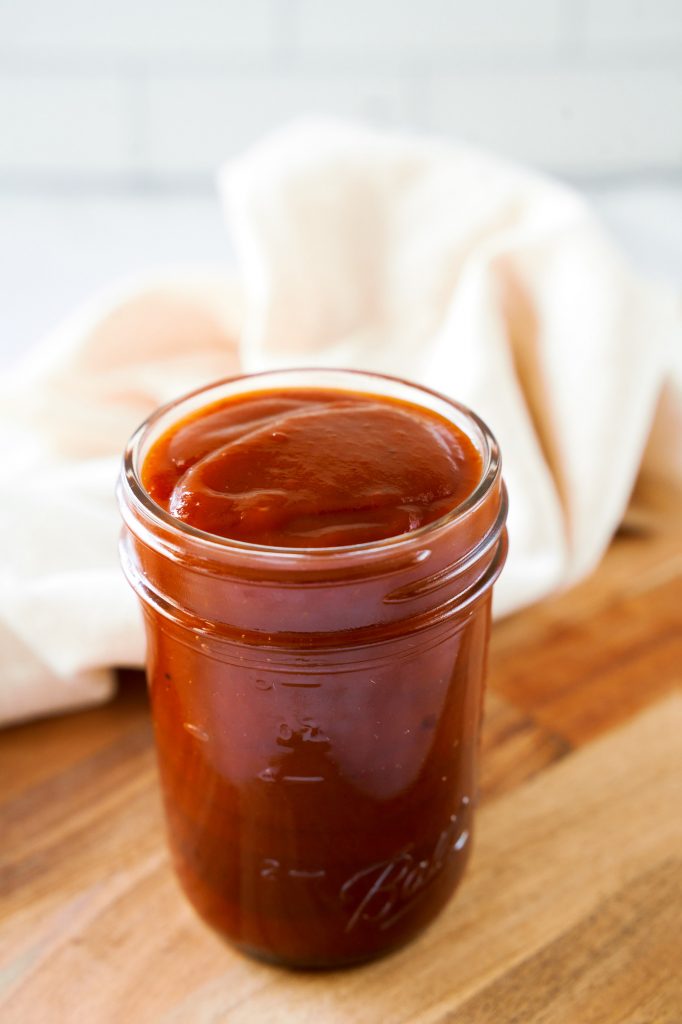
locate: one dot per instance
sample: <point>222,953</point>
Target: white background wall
<point>131,92</point>
<point>114,115</point>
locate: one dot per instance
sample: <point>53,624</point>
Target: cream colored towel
<point>416,258</point>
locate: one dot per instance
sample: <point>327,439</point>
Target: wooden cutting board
<point>571,910</point>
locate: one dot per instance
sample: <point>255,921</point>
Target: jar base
<point>295,951</point>
<point>305,966</point>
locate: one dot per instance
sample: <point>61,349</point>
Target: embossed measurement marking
<point>270,775</point>
<point>272,870</point>
<point>305,730</point>
<point>302,778</point>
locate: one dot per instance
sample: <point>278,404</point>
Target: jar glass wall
<point>317,710</point>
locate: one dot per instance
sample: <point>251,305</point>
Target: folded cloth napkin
<point>411,257</point>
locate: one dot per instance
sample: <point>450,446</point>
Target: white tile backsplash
<point>195,122</point>
<point>146,29</point>
<point>574,122</point>
<point>635,24</point>
<point>65,126</point>
<point>408,30</point>
<point>163,89</point>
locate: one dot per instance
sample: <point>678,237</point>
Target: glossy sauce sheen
<point>318,779</point>
<point>311,468</point>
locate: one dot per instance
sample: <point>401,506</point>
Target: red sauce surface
<point>311,468</point>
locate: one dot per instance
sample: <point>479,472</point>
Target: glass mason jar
<point>317,710</point>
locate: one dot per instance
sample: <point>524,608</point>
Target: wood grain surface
<point>570,913</point>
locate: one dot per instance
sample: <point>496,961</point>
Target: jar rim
<point>133,494</point>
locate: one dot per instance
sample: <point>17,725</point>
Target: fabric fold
<point>405,256</point>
